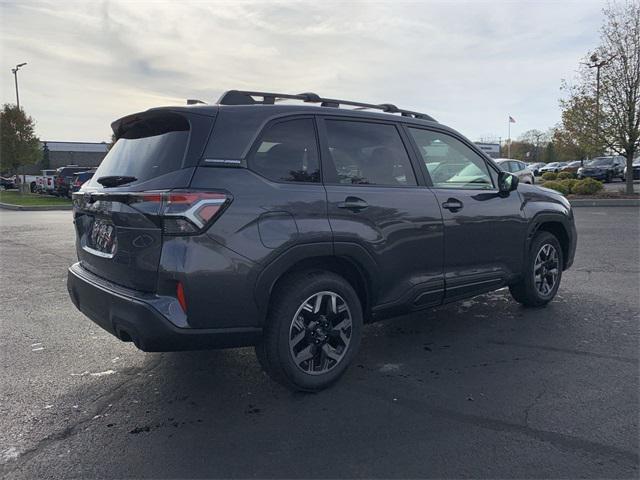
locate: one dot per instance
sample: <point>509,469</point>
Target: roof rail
<point>242,97</point>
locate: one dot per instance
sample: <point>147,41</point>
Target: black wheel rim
<point>545,269</point>
<point>320,333</point>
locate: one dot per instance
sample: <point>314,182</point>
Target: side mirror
<point>507,182</point>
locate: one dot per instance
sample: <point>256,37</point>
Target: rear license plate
<point>103,237</point>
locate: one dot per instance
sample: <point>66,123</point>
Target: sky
<point>468,64</point>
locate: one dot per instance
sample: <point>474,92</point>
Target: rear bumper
<point>136,316</point>
<point>597,176</point>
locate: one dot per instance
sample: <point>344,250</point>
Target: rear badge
<point>143,241</point>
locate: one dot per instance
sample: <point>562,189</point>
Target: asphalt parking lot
<point>482,388</point>
<point>620,186</point>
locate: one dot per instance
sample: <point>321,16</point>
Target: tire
<point>608,178</point>
<point>528,291</point>
<point>293,329</point>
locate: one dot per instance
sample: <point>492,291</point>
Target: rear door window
<point>363,153</point>
<point>148,148</point>
<point>288,152</point>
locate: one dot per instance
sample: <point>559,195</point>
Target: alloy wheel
<point>320,333</point>
<point>545,269</point>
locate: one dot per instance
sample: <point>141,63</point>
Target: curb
<point>34,208</point>
<point>605,202</point>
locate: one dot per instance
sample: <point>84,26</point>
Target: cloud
<point>469,64</point>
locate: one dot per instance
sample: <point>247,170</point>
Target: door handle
<point>453,205</point>
<point>354,204</point>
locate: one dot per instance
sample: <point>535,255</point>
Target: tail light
<point>183,212</point>
<point>180,296</point>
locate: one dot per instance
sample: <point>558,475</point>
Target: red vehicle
<point>64,177</point>
<point>45,183</point>
<point>80,180</point>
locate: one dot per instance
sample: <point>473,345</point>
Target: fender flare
<point>272,272</point>
<point>547,217</point>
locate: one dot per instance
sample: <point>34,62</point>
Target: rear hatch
<point>117,213</point>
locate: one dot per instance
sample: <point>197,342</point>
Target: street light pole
<point>598,65</point>
<point>15,75</point>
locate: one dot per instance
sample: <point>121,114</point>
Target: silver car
<point>518,168</point>
<point>553,167</point>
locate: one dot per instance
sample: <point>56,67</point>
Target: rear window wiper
<point>115,180</point>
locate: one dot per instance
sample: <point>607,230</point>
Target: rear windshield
<point>148,148</point>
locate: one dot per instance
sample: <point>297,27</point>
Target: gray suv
<point>289,226</point>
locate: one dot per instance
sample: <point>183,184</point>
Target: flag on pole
<point>511,119</point>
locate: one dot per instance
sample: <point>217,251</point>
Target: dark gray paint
<point>404,250</point>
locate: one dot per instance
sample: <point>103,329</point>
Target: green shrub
<point>565,175</point>
<point>569,183</point>
<point>557,186</point>
<point>549,176</point>
<point>588,186</point>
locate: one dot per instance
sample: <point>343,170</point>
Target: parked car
<point>572,167</point>
<point>535,167</point>
<point>191,236</point>
<point>553,167</point>
<point>64,177</point>
<point>603,168</point>
<point>518,168</point>
<point>7,183</point>
<point>636,170</point>
<point>26,179</point>
<point>80,179</point>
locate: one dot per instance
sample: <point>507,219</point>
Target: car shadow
<point>216,414</point>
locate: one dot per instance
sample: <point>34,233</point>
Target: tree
<point>607,113</point>
<point>566,145</point>
<point>18,143</point>
<point>579,132</point>
<point>620,90</point>
<point>549,154</point>
<point>113,141</point>
<point>522,151</point>
<point>536,139</point>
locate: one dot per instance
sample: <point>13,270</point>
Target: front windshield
<point>552,164</point>
<point>600,162</point>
